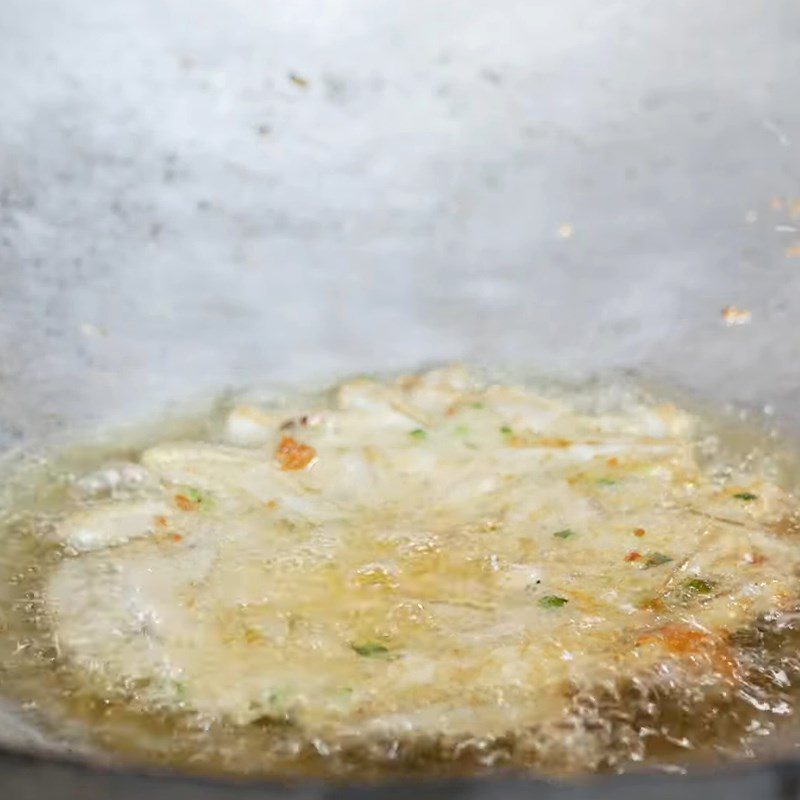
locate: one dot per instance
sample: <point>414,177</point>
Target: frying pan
<point>197,194</point>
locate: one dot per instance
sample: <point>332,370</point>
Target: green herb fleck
<point>656,560</point>
<point>699,586</point>
<point>606,482</point>
<point>552,601</point>
<point>746,496</point>
<point>418,434</point>
<point>565,534</point>
<point>461,430</point>
<point>371,650</point>
<point>506,430</point>
<point>478,406</point>
<point>180,690</point>
<point>201,499</point>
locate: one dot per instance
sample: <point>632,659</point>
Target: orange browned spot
<point>794,209</point>
<point>683,641</point>
<point>185,503</point>
<point>793,251</point>
<point>161,522</point>
<point>176,537</point>
<point>451,411</point>
<point>733,315</point>
<point>613,461</point>
<point>526,440</point>
<point>653,604</point>
<point>271,504</point>
<point>633,556</point>
<point>678,639</point>
<point>552,442</point>
<point>293,455</point>
<point>639,531</point>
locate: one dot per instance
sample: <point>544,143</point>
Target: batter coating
<point>429,556</point>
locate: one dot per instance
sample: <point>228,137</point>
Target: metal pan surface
<point>197,195</point>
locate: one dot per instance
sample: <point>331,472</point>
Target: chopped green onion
<point>505,430</point>
<point>371,650</point>
<point>461,430</point>
<point>699,586</point>
<point>746,496</point>
<point>565,534</point>
<point>656,560</point>
<point>477,405</point>
<point>606,482</point>
<point>418,433</point>
<point>552,601</point>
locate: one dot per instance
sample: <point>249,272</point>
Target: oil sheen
<point>432,573</point>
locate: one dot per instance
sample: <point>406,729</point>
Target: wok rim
<point>42,769</point>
